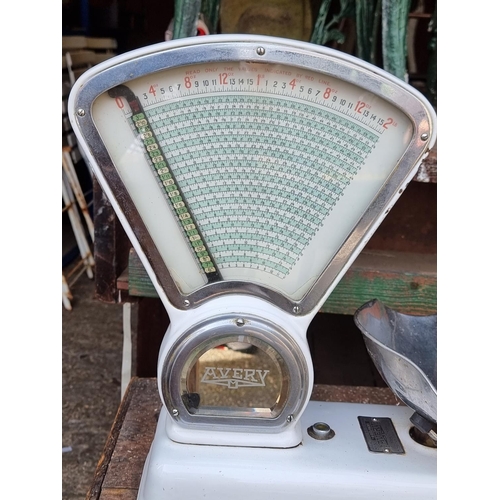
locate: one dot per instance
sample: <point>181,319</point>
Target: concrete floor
<point>92,336</point>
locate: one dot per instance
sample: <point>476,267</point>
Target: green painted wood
<point>432,69</point>
<point>407,292</point>
<point>325,32</point>
<point>394,31</point>
<point>185,18</point>
<point>211,12</point>
<point>405,282</point>
<point>365,23</point>
<point>139,284</point>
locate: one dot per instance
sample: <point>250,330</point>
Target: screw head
<point>289,419</point>
<point>261,51</point>
<point>424,137</point>
<point>175,412</point>
<point>296,309</point>
<point>240,322</point>
<point>80,112</point>
<point>187,303</point>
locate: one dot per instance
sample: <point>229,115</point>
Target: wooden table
<point>119,470</point>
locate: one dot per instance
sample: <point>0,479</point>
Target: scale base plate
<point>339,468</point>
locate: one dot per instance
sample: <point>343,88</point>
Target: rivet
<point>261,51</point>
<point>240,322</point>
<point>424,137</point>
<point>80,112</point>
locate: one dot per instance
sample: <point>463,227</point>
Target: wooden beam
<point>403,281</point>
<point>111,247</point>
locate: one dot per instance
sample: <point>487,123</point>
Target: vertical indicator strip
<point>174,193</point>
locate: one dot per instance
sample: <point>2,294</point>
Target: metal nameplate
<point>380,435</point>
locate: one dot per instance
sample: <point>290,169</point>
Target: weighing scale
<point>248,173</point>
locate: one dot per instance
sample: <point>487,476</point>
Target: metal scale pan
<point>249,172</point>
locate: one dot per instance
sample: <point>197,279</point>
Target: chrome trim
<point>221,330</point>
<point>226,48</point>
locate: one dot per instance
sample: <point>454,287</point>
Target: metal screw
<point>175,412</point>
<point>240,322</point>
<point>296,309</point>
<point>321,431</point>
<point>80,112</point>
<point>261,51</point>
<point>424,137</point>
<point>187,303</point>
<point>289,418</point>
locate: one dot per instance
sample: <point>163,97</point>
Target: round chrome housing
<point>245,373</point>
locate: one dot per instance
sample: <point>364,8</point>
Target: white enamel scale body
<point>248,173</point>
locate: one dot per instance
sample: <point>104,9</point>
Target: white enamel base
<point>340,468</point>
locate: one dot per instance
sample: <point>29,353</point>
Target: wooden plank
<point>136,435</point>
<point>122,281</point>
<point>94,492</point>
<point>119,494</point>
<point>355,394</point>
<point>81,58</point>
<point>119,470</point>
<point>101,43</point>
<point>111,247</point>
<point>139,284</point>
<point>404,281</point>
<point>74,42</point>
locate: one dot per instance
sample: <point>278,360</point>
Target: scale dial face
<point>250,165</point>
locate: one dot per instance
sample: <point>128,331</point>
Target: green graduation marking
<point>168,182</point>
<point>218,152</point>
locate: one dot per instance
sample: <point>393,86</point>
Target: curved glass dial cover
<point>253,173</point>
<point>233,371</point>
